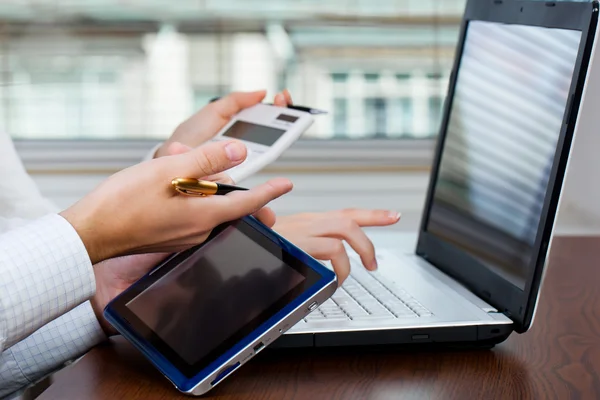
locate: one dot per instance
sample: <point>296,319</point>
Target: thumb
<point>235,102</point>
<point>177,148</point>
<point>211,159</point>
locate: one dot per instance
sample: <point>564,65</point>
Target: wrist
<point>98,308</point>
<point>89,233</point>
<point>99,301</point>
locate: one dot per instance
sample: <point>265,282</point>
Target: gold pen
<point>196,187</point>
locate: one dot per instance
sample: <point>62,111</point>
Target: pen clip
<point>189,192</point>
<point>194,187</point>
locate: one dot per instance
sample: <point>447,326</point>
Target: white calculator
<point>267,131</point>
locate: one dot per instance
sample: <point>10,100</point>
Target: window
<point>339,77</point>
<point>372,77</point>
<point>64,104</point>
<point>204,95</point>
<point>135,72</point>
<point>375,117</point>
<point>435,114</point>
<point>401,123</point>
<point>340,117</point>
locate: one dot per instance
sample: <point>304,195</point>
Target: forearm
<point>49,348</point>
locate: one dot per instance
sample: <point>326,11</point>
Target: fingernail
<point>373,265</point>
<point>234,151</point>
<point>394,215</point>
<point>280,98</point>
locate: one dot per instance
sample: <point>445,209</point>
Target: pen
<point>195,187</point>
<point>309,110</point>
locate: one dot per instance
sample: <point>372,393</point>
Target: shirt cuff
<point>45,271</point>
<point>152,152</point>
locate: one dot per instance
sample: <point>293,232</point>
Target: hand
<point>114,276</point>
<point>206,123</point>
<point>265,214</point>
<point>322,234</point>
<point>137,211</point>
<point>117,274</point>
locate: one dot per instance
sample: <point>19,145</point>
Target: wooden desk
<point>558,359</point>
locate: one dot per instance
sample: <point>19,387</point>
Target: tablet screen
<point>205,300</point>
<point>214,293</point>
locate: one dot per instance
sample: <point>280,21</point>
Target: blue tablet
<point>206,311</point>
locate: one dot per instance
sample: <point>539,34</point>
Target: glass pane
<point>137,69</point>
<point>375,112</point>
<point>435,113</point>
<point>401,118</point>
<point>340,117</point>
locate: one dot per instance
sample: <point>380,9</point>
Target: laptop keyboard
<point>366,295</point>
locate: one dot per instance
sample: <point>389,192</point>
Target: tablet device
<point>206,311</point>
<point>267,131</point>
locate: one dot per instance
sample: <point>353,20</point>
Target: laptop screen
<point>506,116</point>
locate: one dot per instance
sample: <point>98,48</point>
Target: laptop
<point>504,142</point>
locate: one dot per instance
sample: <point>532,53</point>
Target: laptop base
<point>477,336</point>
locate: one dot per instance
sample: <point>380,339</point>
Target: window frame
<point>306,155</point>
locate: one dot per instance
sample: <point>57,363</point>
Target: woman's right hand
<point>322,235</point>
<point>138,211</point>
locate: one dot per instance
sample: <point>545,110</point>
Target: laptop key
<point>369,317</point>
<point>363,296</point>
<point>373,292</point>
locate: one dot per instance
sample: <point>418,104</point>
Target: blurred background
<point>87,87</point>
<point>101,69</point>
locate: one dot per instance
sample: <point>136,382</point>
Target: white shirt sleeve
<point>45,271</point>
<point>19,195</point>
<point>66,338</point>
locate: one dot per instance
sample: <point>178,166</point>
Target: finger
<point>348,230</point>
<point>328,249</point>
<point>288,97</point>
<point>369,217</point>
<point>177,148</point>
<point>266,216</point>
<point>239,204</point>
<point>280,101</point>
<point>235,102</point>
<point>223,177</point>
<point>210,159</point>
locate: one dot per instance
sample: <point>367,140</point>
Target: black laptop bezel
<point>517,304</point>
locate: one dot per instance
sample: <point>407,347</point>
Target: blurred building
<point>135,68</point>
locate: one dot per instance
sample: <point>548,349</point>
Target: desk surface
<point>558,359</point>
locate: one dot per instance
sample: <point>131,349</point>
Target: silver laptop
<point>502,153</point>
